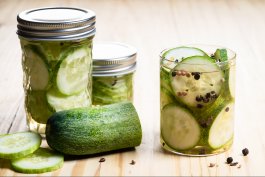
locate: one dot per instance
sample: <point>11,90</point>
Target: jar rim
<point>231,53</point>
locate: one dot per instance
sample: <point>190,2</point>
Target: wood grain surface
<point>152,26</point>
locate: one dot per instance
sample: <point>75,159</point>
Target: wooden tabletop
<point>152,26</point>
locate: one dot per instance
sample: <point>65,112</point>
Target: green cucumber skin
<point>85,131</point>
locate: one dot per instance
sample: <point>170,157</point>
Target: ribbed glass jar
<point>56,48</point>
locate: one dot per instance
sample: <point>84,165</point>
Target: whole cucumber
<point>84,131</point>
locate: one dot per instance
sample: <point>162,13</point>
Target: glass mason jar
<point>56,48</point>
<point>197,95</point>
<point>114,65</point>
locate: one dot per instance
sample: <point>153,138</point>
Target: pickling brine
<point>57,76</point>
<point>197,87</point>
<point>56,61</point>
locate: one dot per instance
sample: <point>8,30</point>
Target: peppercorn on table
<point>152,26</point>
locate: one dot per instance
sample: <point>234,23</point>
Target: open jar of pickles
<point>197,96</point>
<point>57,61</point>
<point>114,65</point>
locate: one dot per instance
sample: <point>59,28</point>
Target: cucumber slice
<point>175,55</point>
<point>222,129</point>
<point>113,89</point>
<point>179,128</point>
<point>41,161</point>
<point>18,145</point>
<point>203,77</point>
<point>61,102</point>
<point>73,74</point>
<point>221,56</point>
<point>232,81</point>
<point>36,69</point>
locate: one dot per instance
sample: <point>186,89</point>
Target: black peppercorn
<point>226,109</point>
<point>206,100</point>
<point>214,96</point>
<point>245,152</point>
<point>173,74</point>
<point>203,124</point>
<point>199,106</point>
<point>198,98</point>
<point>197,76</point>
<point>202,151</point>
<point>208,95</point>
<point>229,160</point>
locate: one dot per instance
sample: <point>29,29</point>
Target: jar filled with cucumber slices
<point>56,48</point>
<point>114,65</point>
<point>197,96</point>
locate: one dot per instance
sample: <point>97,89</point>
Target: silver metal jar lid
<point>56,23</point>
<point>113,58</point>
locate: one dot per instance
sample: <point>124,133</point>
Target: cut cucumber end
<point>41,161</point>
<point>73,74</point>
<point>197,81</point>
<point>220,55</point>
<point>18,145</point>
<point>179,128</point>
<point>222,129</point>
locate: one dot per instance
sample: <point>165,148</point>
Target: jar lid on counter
<point>56,23</point>
<point>113,58</point>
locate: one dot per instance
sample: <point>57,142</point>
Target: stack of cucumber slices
<point>23,149</point>
<point>197,99</point>
<point>112,89</point>
<point>56,82</point>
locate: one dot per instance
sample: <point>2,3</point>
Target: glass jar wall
<point>56,48</point>
<point>197,93</point>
